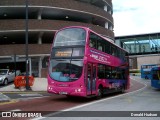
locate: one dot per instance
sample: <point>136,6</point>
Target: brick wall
<point>49,25</point>
<point>19,49</point>
<point>148,60</point>
<point>68,4</point>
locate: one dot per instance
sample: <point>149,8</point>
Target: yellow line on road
<point>24,92</point>
<point>10,102</point>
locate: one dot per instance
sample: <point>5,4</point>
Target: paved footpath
<point>40,84</point>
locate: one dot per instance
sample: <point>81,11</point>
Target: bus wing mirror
<point>85,60</point>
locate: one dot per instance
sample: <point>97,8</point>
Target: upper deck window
<point>70,36</point>
<point>99,43</point>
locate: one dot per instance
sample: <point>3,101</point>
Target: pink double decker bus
<point>84,63</point>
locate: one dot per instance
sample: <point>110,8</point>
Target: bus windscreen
<point>68,37</point>
<point>65,69</point>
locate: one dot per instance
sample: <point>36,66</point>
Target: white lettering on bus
<point>100,58</point>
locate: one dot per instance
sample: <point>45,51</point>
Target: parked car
<point>7,75</point>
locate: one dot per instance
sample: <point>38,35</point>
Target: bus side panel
<point>155,79</point>
<point>155,84</point>
<point>98,57</point>
<point>112,85</point>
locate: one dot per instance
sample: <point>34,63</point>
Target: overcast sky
<point>136,16</point>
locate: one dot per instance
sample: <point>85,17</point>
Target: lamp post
<point>26,45</point>
<point>15,64</point>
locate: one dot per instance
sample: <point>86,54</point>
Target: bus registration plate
<point>63,93</point>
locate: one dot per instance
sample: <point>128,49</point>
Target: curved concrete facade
<point>45,17</point>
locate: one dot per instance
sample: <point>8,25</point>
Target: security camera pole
<point>26,39</point>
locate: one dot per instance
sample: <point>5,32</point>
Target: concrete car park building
<point>45,17</point>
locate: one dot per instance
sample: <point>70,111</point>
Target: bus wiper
<point>61,60</point>
<point>76,60</point>
<point>72,79</point>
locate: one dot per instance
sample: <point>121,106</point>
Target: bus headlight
<point>78,90</point>
<point>50,88</point>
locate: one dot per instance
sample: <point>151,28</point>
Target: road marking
<point>30,98</point>
<point>94,102</point>
<point>15,110</point>
<point>10,102</point>
<point>107,98</point>
<point>29,95</point>
<point>14,92</point>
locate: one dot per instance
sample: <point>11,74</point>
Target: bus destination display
<point>63,53</point>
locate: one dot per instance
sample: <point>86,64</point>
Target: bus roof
<point>107,38</point>
<point>150,64</point>
<point>156,68</point>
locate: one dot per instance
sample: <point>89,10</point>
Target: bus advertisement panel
<point>155,79</point>
<point>84,63</point>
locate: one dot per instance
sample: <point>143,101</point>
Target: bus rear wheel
<point>100,92</point>
<point>122,89</point>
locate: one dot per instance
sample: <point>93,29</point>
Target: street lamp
<point>26,44</point>
<point>15,64</point>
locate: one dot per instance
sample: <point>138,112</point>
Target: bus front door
<point>91,79</point>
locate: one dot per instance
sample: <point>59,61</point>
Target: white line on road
<point>105,99</point>
<point>94,102</point>
<point>15,110</point>
<point>30,95</point>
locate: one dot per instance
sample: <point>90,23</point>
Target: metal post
<point>26,39</point>
<point>15,64</point>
